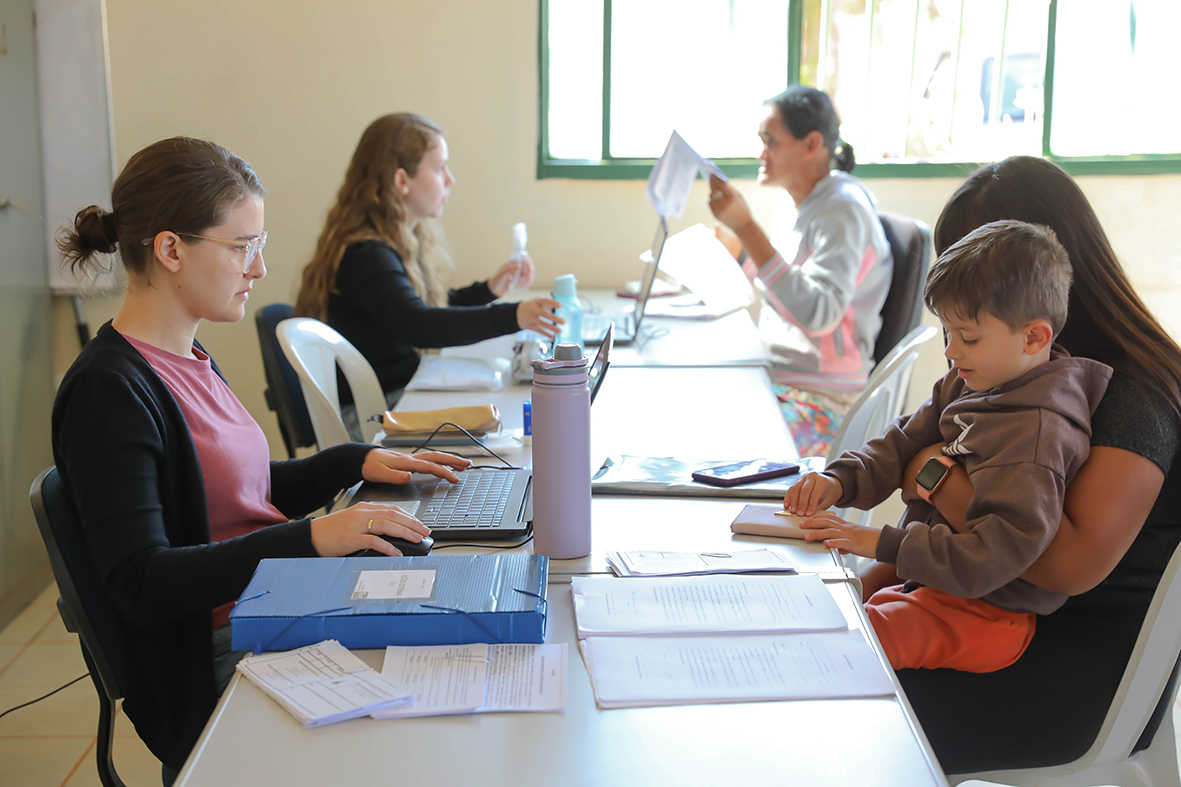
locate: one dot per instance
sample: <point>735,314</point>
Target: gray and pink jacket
<point>1021,444</point>
<point>832,289</point>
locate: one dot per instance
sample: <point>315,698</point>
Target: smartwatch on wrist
<point>932,476</point>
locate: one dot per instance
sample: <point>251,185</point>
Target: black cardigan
<point>377,309</point>
<point>129,464</point>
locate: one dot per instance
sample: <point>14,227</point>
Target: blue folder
<point>294,602</point>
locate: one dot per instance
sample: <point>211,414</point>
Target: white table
<point>732,340</point>
<point>251,740</point>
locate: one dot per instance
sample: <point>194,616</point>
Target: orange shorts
<point>930,629</point>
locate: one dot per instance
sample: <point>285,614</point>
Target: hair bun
<point>97,229</point>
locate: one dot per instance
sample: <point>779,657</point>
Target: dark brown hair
<point>180,185</point>
<point>1015,271</point>
<point>369,207</point>
<point>1107,322</point>
<point>804,109</point>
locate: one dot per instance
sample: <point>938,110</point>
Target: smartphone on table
<point>744,472</point>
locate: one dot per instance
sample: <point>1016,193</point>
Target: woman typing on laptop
<point>171,477</point>
<point>379,275</point>
<point>826,295</point>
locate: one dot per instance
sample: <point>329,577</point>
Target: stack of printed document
<point>323,683</point>
<point>681,564</point>
<point>728,638</point>
<point>477,678</point>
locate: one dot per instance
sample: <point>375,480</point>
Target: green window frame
<point>609,167</point>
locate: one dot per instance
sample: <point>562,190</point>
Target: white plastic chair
<point>315,350</point>
<point>883,400</point>
<point>1110,761</point>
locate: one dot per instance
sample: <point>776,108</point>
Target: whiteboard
<point>77,129</point>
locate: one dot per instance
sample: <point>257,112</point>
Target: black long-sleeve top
<point>378,310</point>
<point>128,463</point>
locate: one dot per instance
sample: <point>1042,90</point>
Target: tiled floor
<point>51,743</point>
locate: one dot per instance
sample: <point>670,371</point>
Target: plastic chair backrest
<point>283,393</point>
<point>883,400</point>
<point>100,626</point>
<point>910,244</point>
<point>85,607</point>
<point>315,351</point>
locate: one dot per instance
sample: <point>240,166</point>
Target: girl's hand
<point>727,205</point>
<point>361,527</point>
<point>538,315</point>
<point>836,533</point>
<point>514,273</point>
<point>813,492</point>
<point>383,466</point>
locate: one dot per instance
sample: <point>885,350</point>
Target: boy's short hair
<point>1016,271</point>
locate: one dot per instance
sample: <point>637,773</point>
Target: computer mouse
<point>412,548</point>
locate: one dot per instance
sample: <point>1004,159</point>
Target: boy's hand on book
<point>813,492</point>
<point>836,533</point>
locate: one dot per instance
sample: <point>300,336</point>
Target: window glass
<point>575,43</point>
<point>1124,102</point>
<point>918,80</point>
<point>702,67</point>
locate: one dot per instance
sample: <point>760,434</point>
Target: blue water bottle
<point>566,293</point>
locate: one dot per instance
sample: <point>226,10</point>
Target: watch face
<point>931,474</point>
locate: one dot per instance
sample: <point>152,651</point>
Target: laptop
<point>486,503</point>
<point>627,324</point>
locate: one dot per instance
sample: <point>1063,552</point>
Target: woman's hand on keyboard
<point>383,466</point>
<point>361,527</point>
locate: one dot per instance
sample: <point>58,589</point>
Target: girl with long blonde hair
<point>378,275</point>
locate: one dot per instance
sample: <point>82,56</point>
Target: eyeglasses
<point>251,247</point>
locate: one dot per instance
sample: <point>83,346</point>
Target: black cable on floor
<point>50,694</point>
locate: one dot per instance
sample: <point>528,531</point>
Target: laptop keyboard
<point>594,325</point>
<point>478,500</point>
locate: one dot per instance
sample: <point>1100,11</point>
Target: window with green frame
<point>923,87</point>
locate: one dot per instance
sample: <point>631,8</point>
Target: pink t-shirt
<point>231,447</point>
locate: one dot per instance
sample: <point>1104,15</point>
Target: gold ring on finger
<point>370,527</point>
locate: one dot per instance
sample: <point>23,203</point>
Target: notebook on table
<point>627,324</point>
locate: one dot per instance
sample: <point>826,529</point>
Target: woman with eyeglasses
<point>169,474</point>
<point>824,295</point>
<point>379,274</point>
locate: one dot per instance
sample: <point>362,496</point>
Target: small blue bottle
<point>566,293</point>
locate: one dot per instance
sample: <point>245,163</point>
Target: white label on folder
<point>416,583</point>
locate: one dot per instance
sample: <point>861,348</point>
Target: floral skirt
<point>813,418</point>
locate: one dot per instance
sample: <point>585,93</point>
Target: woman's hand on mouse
<point>383,466</point>
<point>513,274</point>
<point>361,527</point>
<point>538,315</point>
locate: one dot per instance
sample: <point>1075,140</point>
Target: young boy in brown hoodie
<point>1015,410</point>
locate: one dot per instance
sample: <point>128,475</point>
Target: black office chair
<point>85,609</point>
<point>910,243</point>
<point>283,394</point>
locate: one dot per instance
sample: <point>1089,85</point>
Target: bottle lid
<point>565,285</point>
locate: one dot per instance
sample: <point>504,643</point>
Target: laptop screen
<point>598,367</point>
<point>650,268</point>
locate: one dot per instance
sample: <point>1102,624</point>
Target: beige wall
<point>290,85</point>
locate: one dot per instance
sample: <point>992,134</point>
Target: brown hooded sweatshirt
<point>1021,444</point>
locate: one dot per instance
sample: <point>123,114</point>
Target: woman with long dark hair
<point>1122,519</point>
<point>824,295</point>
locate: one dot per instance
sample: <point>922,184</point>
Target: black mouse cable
<point>425,443</point>
<point>499,547</point>
<point>47,696</point>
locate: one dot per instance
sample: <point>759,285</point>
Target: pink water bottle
<point>561,455</point>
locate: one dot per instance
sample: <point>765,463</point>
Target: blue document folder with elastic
<point>372,602</point>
